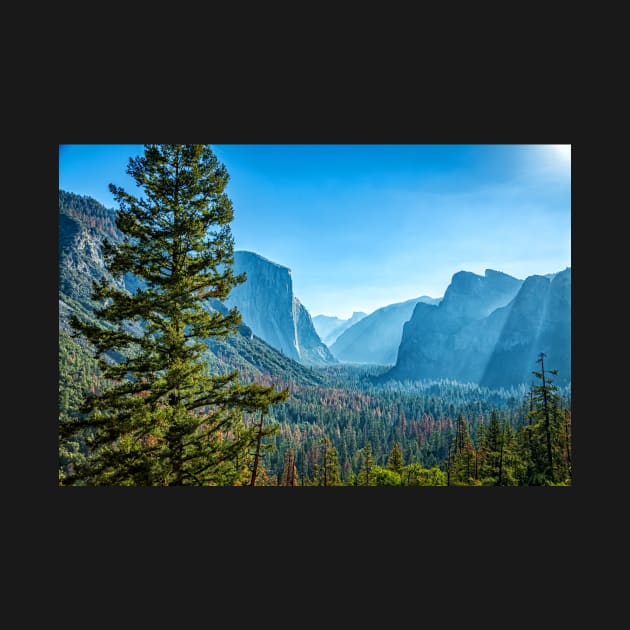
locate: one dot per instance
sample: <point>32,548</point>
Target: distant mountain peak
<point>330,327</point>
<point>464,275</point>
<point>83,225</point>
<point>488,329</point>
<point>493,273</point>
<point>376,337</point>
<point>489,274</point>
<point>565,271</point>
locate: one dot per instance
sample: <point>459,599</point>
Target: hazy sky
<point>363,226</point>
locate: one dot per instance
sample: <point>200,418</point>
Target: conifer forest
<point>184,360</point>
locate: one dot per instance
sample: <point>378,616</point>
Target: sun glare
<point>563,150</point>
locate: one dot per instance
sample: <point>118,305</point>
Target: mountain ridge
<point>329,328</point>
<point>83,225</point>
<point>376,337</point>
<point>488,330</point>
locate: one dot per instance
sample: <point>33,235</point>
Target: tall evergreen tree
<point>480,450</point>
<point>492,469</point>
<point>547,431</point>
<point>462,456</point>
<point>327,473</point>
<point>289,475</point>
<point>366,473</point>
<point>395,461</point>
<point>544,395</point>
<point>166,420</point>
<point>261,398</point>
<point>509,459</point>
<point>331,466</point>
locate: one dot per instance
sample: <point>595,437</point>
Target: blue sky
<point>363,226</point>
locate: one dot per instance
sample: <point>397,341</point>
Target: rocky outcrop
<point>489,330</point>
<point>268,306</point>
<point>471,297</point>
<point>454,339</point>
<point>84,224</point>
<point>539,321</point>
<point>311,349</point>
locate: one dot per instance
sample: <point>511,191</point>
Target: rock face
<point>268,306</point>
<point>330,328</point>
<point>539,321</point>
<point>376,337</point>
<point>266,300</point>
<point>470,297</point>
<point>312,350</point>
<point>84,224</point>
<point>452,339</point>
<point>489,330</point>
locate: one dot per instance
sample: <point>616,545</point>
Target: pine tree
<point>544,394</point>
<point>320,473</point>
<point>289,472</point>
<point>523,458</point>
<point>461,466</point>
<point>480,451</point>
<point>548,432</point>
<point>166,420</point>
<point>327,473</point>
<point>395,461</point>
<point>492,469</point>
<point>261,398</point>
<point>316,467</point>
<point>509,460</point>
<point>366,472</point>
<point>331,467</point>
